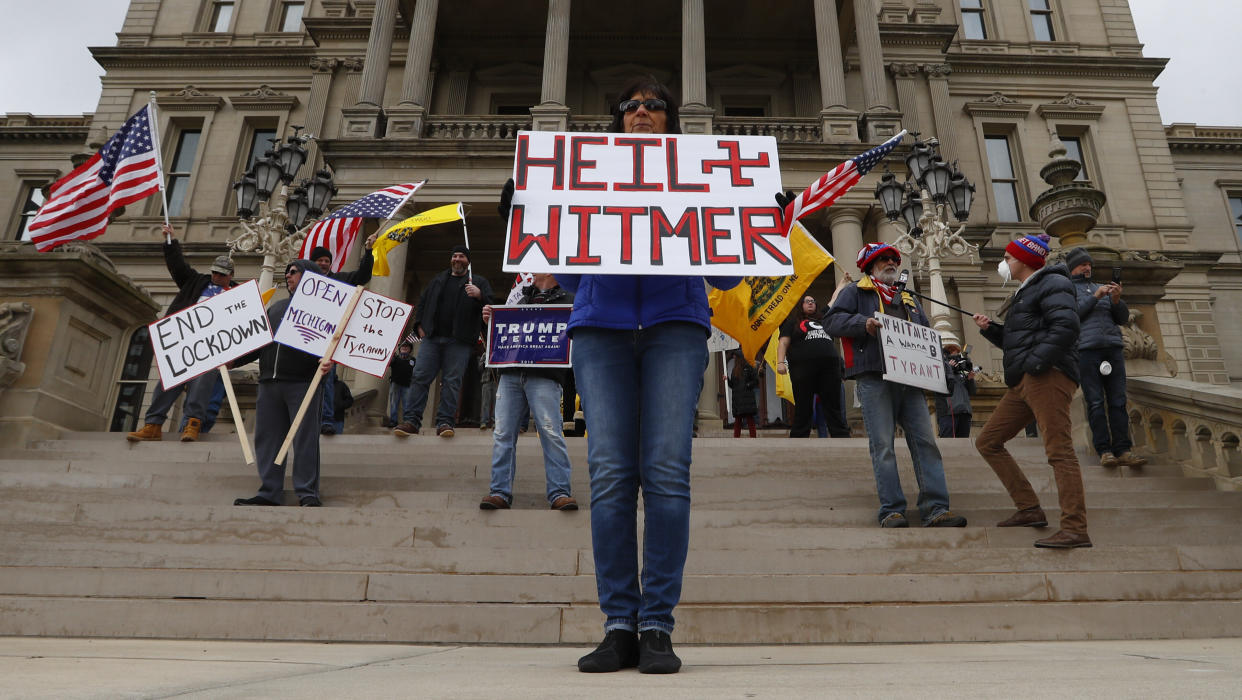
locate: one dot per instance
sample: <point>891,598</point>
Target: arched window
<point>133,382</point>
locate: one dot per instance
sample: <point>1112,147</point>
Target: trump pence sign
<point>652,204</point>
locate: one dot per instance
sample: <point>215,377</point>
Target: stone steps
<point>99,537</point>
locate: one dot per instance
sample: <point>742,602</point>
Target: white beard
<point>888,277</point>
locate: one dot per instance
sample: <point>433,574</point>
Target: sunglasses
<point>890,258</point>
<point>652,105</point>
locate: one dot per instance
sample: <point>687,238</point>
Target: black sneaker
<point>655,653</point>
<point>310,502</point>
<point>618,650</point>
<point>254,501</point>
<point>947,518</point>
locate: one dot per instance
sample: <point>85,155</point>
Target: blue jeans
<point>885,405</point>
<point>515,391</point>
<point>1106,399</point>
<point>438,352</point>
<point>328,414</point>
<point>640,391</point>
<point>398,398</point>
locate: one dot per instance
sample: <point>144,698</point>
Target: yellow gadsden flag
<point>401,233</point>
<point>751,311</point>
<point>784,386</point>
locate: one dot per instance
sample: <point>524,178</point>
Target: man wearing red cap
<point>1040,341</point>
<point>885,405</point>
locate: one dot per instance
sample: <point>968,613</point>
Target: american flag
<point>124,171</point>
<point>338,231</point>
<point>824,191</point>
<point>520,283</point>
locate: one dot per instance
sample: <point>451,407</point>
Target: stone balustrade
<point>476,127</point>
<point>1195,425</point>
<point>784,129</point>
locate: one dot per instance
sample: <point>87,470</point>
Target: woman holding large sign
<point>639,353</point>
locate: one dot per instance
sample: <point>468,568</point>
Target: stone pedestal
<point>696,119</point>
<point>405,121</point>
<point>549,116</point>
<point>839,126</point>
<point>361,122</point>
<point>82,316</point>
<point>881,125</point>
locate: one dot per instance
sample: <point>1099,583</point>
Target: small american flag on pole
<point>338,231</point>
<point>824,191</point>
<point>124,171</point>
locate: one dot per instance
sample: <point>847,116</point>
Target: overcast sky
<point>49,71</point>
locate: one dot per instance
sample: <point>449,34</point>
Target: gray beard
<point>889,277</point>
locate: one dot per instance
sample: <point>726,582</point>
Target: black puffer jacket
<point>190,282</point>
<point>1041,326</point>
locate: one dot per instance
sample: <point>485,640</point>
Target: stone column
<point>708,417</point>
<point>364,118</point>
<point>551,114</point>
<point>880,118</point>
<point>696,116</point>
<point>405,120</point>
<point>847,239</point>
<point>322,72</point>
<point>907,93</point>
<point>837,123</point>
<point>942,108</point>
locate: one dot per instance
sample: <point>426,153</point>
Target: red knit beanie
<point>871,251</point>
<point>1031,250</point>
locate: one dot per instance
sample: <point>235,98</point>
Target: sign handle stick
<point>237,415</point>
<point>724,369</point>
<point>465,233</point>
<point>310,393</point>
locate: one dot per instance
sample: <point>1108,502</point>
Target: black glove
<point>783,200</point>
<point>506,200</point>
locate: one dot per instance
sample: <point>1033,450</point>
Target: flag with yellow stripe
<point>401,232</point>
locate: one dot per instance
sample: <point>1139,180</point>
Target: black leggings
<point>821,377</point>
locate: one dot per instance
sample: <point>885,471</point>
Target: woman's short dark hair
<point>645,85</point>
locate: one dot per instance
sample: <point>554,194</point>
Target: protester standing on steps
<point>809,355</point>
<point>1040,342</point>
<point>885,404</point>
<point>742,384</point>
<point>639,353</point>
<point>401,370</point>
<point>192,287</point>
<point>449,319</point>
<point>537,391</point>
<point>322,257</point>
<point>954,412</point>
<point>285,376</point>
<point>1102,362</point>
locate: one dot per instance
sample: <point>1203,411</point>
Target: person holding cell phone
<point>1102,362</point>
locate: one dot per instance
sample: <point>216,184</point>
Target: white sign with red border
<point>651,204</point>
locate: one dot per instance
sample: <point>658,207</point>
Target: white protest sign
<point>912,354</point>
<point>208,334</point>
<point>649,204</point>
<point>372,333</point>
<point>314,314</point>
<point>719,341</point>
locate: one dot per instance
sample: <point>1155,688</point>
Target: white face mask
<point>1002,269</point>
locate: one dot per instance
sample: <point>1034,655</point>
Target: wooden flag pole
<point>724,369</point>
<point>310,393</point>
<point>237,416</point>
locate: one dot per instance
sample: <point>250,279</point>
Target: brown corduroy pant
<point>1046,398</point>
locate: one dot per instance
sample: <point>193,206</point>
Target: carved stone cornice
<point>189,98</point>
<point>924,35</point>
<point>1011,66</point>
<point>195,57</point>
<point>997,105</point>
<point>904,70</point>
<point>337,29</point>
<point>264,98</point>
<point>324,65</point>
<point>1070,107</point>
<point>937,70</point>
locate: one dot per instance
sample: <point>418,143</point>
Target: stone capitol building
<point>396,91</point>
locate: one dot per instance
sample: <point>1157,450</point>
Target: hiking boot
<point>564,503</point>
<point>655,653</point>
<point>1064,540</point>
<point>150,431</point>
<point>1109,460</point>
<point>192,426</point>
<point>327,430</point>
<point>1129,459</point>
<point>946,518</point>
<point>1027,517</point>
<point>893,520</point>
<point>444,430</point>
<point>494,502</point>
<point>618,650</point>
<point>254,501</point>
<point>310,502</point>
<point>405,429</point>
